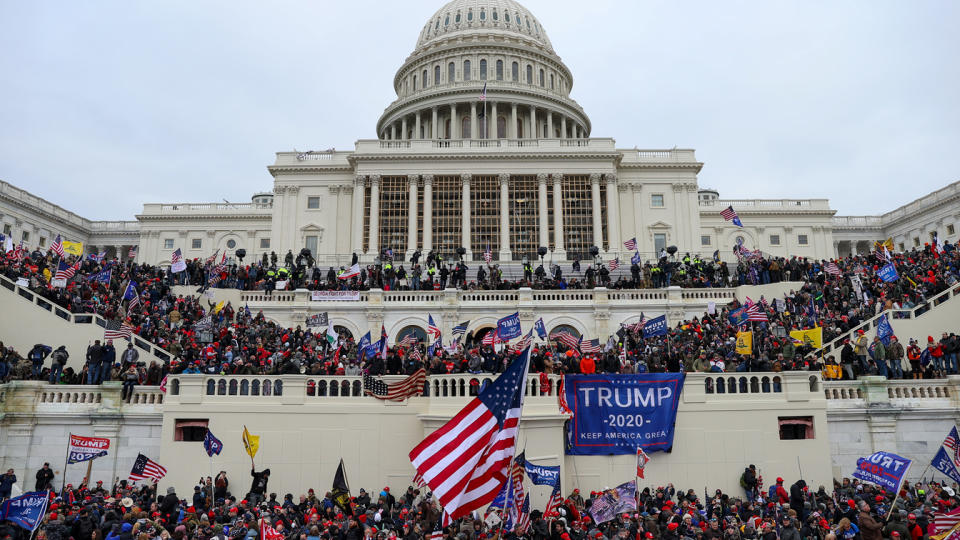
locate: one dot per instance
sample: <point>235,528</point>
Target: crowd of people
<point>835,296</point>
<point>219,508</point>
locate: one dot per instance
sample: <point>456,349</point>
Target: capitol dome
<point>483,69</point>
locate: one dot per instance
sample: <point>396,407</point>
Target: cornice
<point>485,156</point>
<point>695,166</point>
<point>251,217</point>
<point>305,169</point>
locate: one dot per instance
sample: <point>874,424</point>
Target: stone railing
<point>850,222</point>
<point>509,145</point>
<point>764,204</point>
<point>203,208</point>
<point>114,226</point>
<point>874,391</point>
<point>38,396</point>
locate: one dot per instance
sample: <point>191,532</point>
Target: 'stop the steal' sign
<point>616,414</point>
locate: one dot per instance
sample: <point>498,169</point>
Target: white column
<point>512,129</point>
<point>563,127</point>
<point>534,134</point>
<point>613,214</point>
<point>434,134</point>
<point>504,216</point>
<point>373,242</point>
<point>542,210</point>
<point>474,125</point>
<point>492,122</point>
<point>412,213</point>
<point>393,131</point>
<point>558,215</point>
<point>465,223</point>
<point>549,125</point>
<point>454,122</point>
<point>416,126</point>
<point>638,225</point>
<point>403,128</point>
<point>597,221</point>
<point>357,231</point>
<point>427,212</point>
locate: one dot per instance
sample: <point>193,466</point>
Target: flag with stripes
<point>490,338</point>
<point>350,272</point>
<point>729,214</point>
<point>614,264</point>
<point>132,295</point>
<point>483,93</point>
<point>951,444</point>
<point>132,253</point>
<point>414,354</point>
<point>591,346</point>
<point>66,271</point>
<point>399,391</point>
<point>637,326</point>
<point>831,268</point>
<point>467,460</point>
<point>437,532</point>
<point>488,255</point>
<point>523,343</point>
<point>754,313</point>
<point>117,330</point>
<point>567,339</point>
<point>267,532</point>
<point>145,467</point>
<point>556,500</point>
<point>945,521</point>
<point>213,258</point>
<point>418,480</point>
<point>57,246</point>
<point>432,328</point>
<point>408,340</point>
<point>631,244</point>
<point>562,398</point>
<point>460,329</point>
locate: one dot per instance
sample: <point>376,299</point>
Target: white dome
<point>480,16</point>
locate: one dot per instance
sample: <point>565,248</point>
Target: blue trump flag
<point>362,347</point>
<point>542,475</point>
<point>635,259</point>
<point>883,469</point>
<point>739,316</point>
<point>102,276</point>
<point>26,510</point>
<point>615,414</point>
<point>509,327</point>
<point>884,330</point>
<point>212,444</point>
<point>888,273</point>
<point>540,328</point>
<point>655,327</point>
<point>947,459</point>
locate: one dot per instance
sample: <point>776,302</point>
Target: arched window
<point>438,25</point>
<point>506,16</point>
<point>466,70</point>
<point>446,20</point>
<point>414,83</point>
<point>565,328</point>
<point>211,387</point>
<point>436,76</point>
<point>175,387</point>
<point>451,72</point>
<point>529,74</point>
<point>519,128</point>
<point>233,387</point>
<point>501,127</point>
<point>423,80</point>
<point>457,19</point>
<point>542,80</point>
<point>244,387</point>
<point>494,13</point>
<point>266,387</point>
<point>551,81</point>
<point>278,387</point>
<point>483,69</point>
<point>446,129</point>
<point>499,70</point>
<point>255,388</point>
<point>222,387</point>
<point>419,333</point>
<point>515,72</point>
<point>528,22</point>
<point>465,127</point>
<point>469,14</point>
<point>483,14</point>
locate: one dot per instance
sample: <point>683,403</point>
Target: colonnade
<point>450,122</point>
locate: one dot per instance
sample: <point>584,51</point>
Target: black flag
<point>341,490</point>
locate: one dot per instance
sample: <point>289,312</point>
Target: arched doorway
<point>565,328</point>
<point>418,333</point>
<point>343,331</point>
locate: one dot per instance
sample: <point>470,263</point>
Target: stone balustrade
<point>879,392</point>
<point>18,397</point>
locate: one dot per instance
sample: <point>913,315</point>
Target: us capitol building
<point>516,170</point>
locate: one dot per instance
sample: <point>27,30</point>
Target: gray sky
<point>107,105</point>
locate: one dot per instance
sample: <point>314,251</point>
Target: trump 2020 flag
<point>540,328</point>
<point>947,459</point>
<point>212,445</point>
<point>884,469</point>
<point>884,330</point>
<point>888,273</point>
<point>509,327</point>
<point>27,510</point>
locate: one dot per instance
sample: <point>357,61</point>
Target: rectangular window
<point>168,243</point>
<point>313,203</point>
<point>447,213</point>
<point>901,246</point>
<point>190,430</point>
<point>705,240</point>
<point>802,239</point>
<point>7,229</point>
<point>659,242</point>
<point>577,200</point>
<point>394,209</point>
<point>195,243</point>
<point>950,230</point>
<point>26,236</point>
<point>43,242</point>
<point>485,214</point>
<point>310,243</point>
<point>656,200</point>
<point>774,239</point>
<point>524,214</point>
<point>916,242</point>
<point>795,427</point>
<point>264,243</point>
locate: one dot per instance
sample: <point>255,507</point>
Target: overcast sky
<point>107,105</point>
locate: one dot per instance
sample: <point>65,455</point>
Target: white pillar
<point>434,134</point>
<point>357,231</point>
<point>412,213</point>
<point>474,125</point>
<point>534,134</point>
<point>512,130</point>
<point>613,213</point>
<point>416,126</point>
<point>403,128</point>
<point>542,210</point>
<point>563,127</point>
<point>373,242</point>
<point>454,122</point>
<point>504,216</point>
<point>465,223</point>
<point>549,125</point>
<point>393,131</point>
<point>558,215</point>
<point>427,212</point>
<point>597,222</point>
<point>492,122</point>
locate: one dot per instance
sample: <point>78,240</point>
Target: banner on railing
<point>335,296</point>
<point>616,414</point>
<point>86,448</point>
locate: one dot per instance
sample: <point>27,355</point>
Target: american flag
<point>946,521</point>
<point>729,214</point>
<point>145,467</point>
<point>467,460</point>
<point>637,326</point>
<point>117,330</point>
<point>66,271</point>
<point>555,500</point>
<point>408,340</point>
<point>176,256</point>
<point>631,244</point>
<point>461,328</point>
<point>57,246</point>
<point>132,295</point>
<point>398,391</point>
<point>17,253</point>
<point>432,328</point>
<point>213,257</point>
<point>483,93</point>
<point>754,313</point>
<point>614,264</point>
<point>133,252</point>
<point>950,443</point>
<point>831,268</point>
<point>567,339</point>
<point>437,532</point>
<point>562,398</point>
<point>490,338</point>
<point>267,532</point>
<point>418,480</point>
<point>591,346</point>
<point>488,255</point>
<point>523,520</point>
<point>415,354</point>
<point>523,343</point>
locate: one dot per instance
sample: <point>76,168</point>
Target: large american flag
<point>523,343</point>
<point>946,521</point>
<point>754,313</point>
<point>145,467</point>
<point>408,340</point>
<point>567,339</point>
<point>467,460</point>
<point>66,271</point>
<point>176,256</point>
<point>117,330</point>
<point>57,246</point>
<point>432,328</point>
<point>490,338</point>
<point>398,391</point>
<point>631,244</point>
<point>953,449</point>
<point>832,268</point>
<point>729,214</point>
<point>591,346</point>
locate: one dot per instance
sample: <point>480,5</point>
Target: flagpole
<point>897,494</point>
<point>66,461</point>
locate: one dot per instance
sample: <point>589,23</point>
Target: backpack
<point>60,356</point>
<point>743,480</point>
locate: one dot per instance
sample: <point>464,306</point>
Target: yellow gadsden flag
<point>810,338</point>
<point>73,248</point>
<point>219,306</point>
<point>744,342</point>
<point>879,245</point>
<point>250,442</point>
